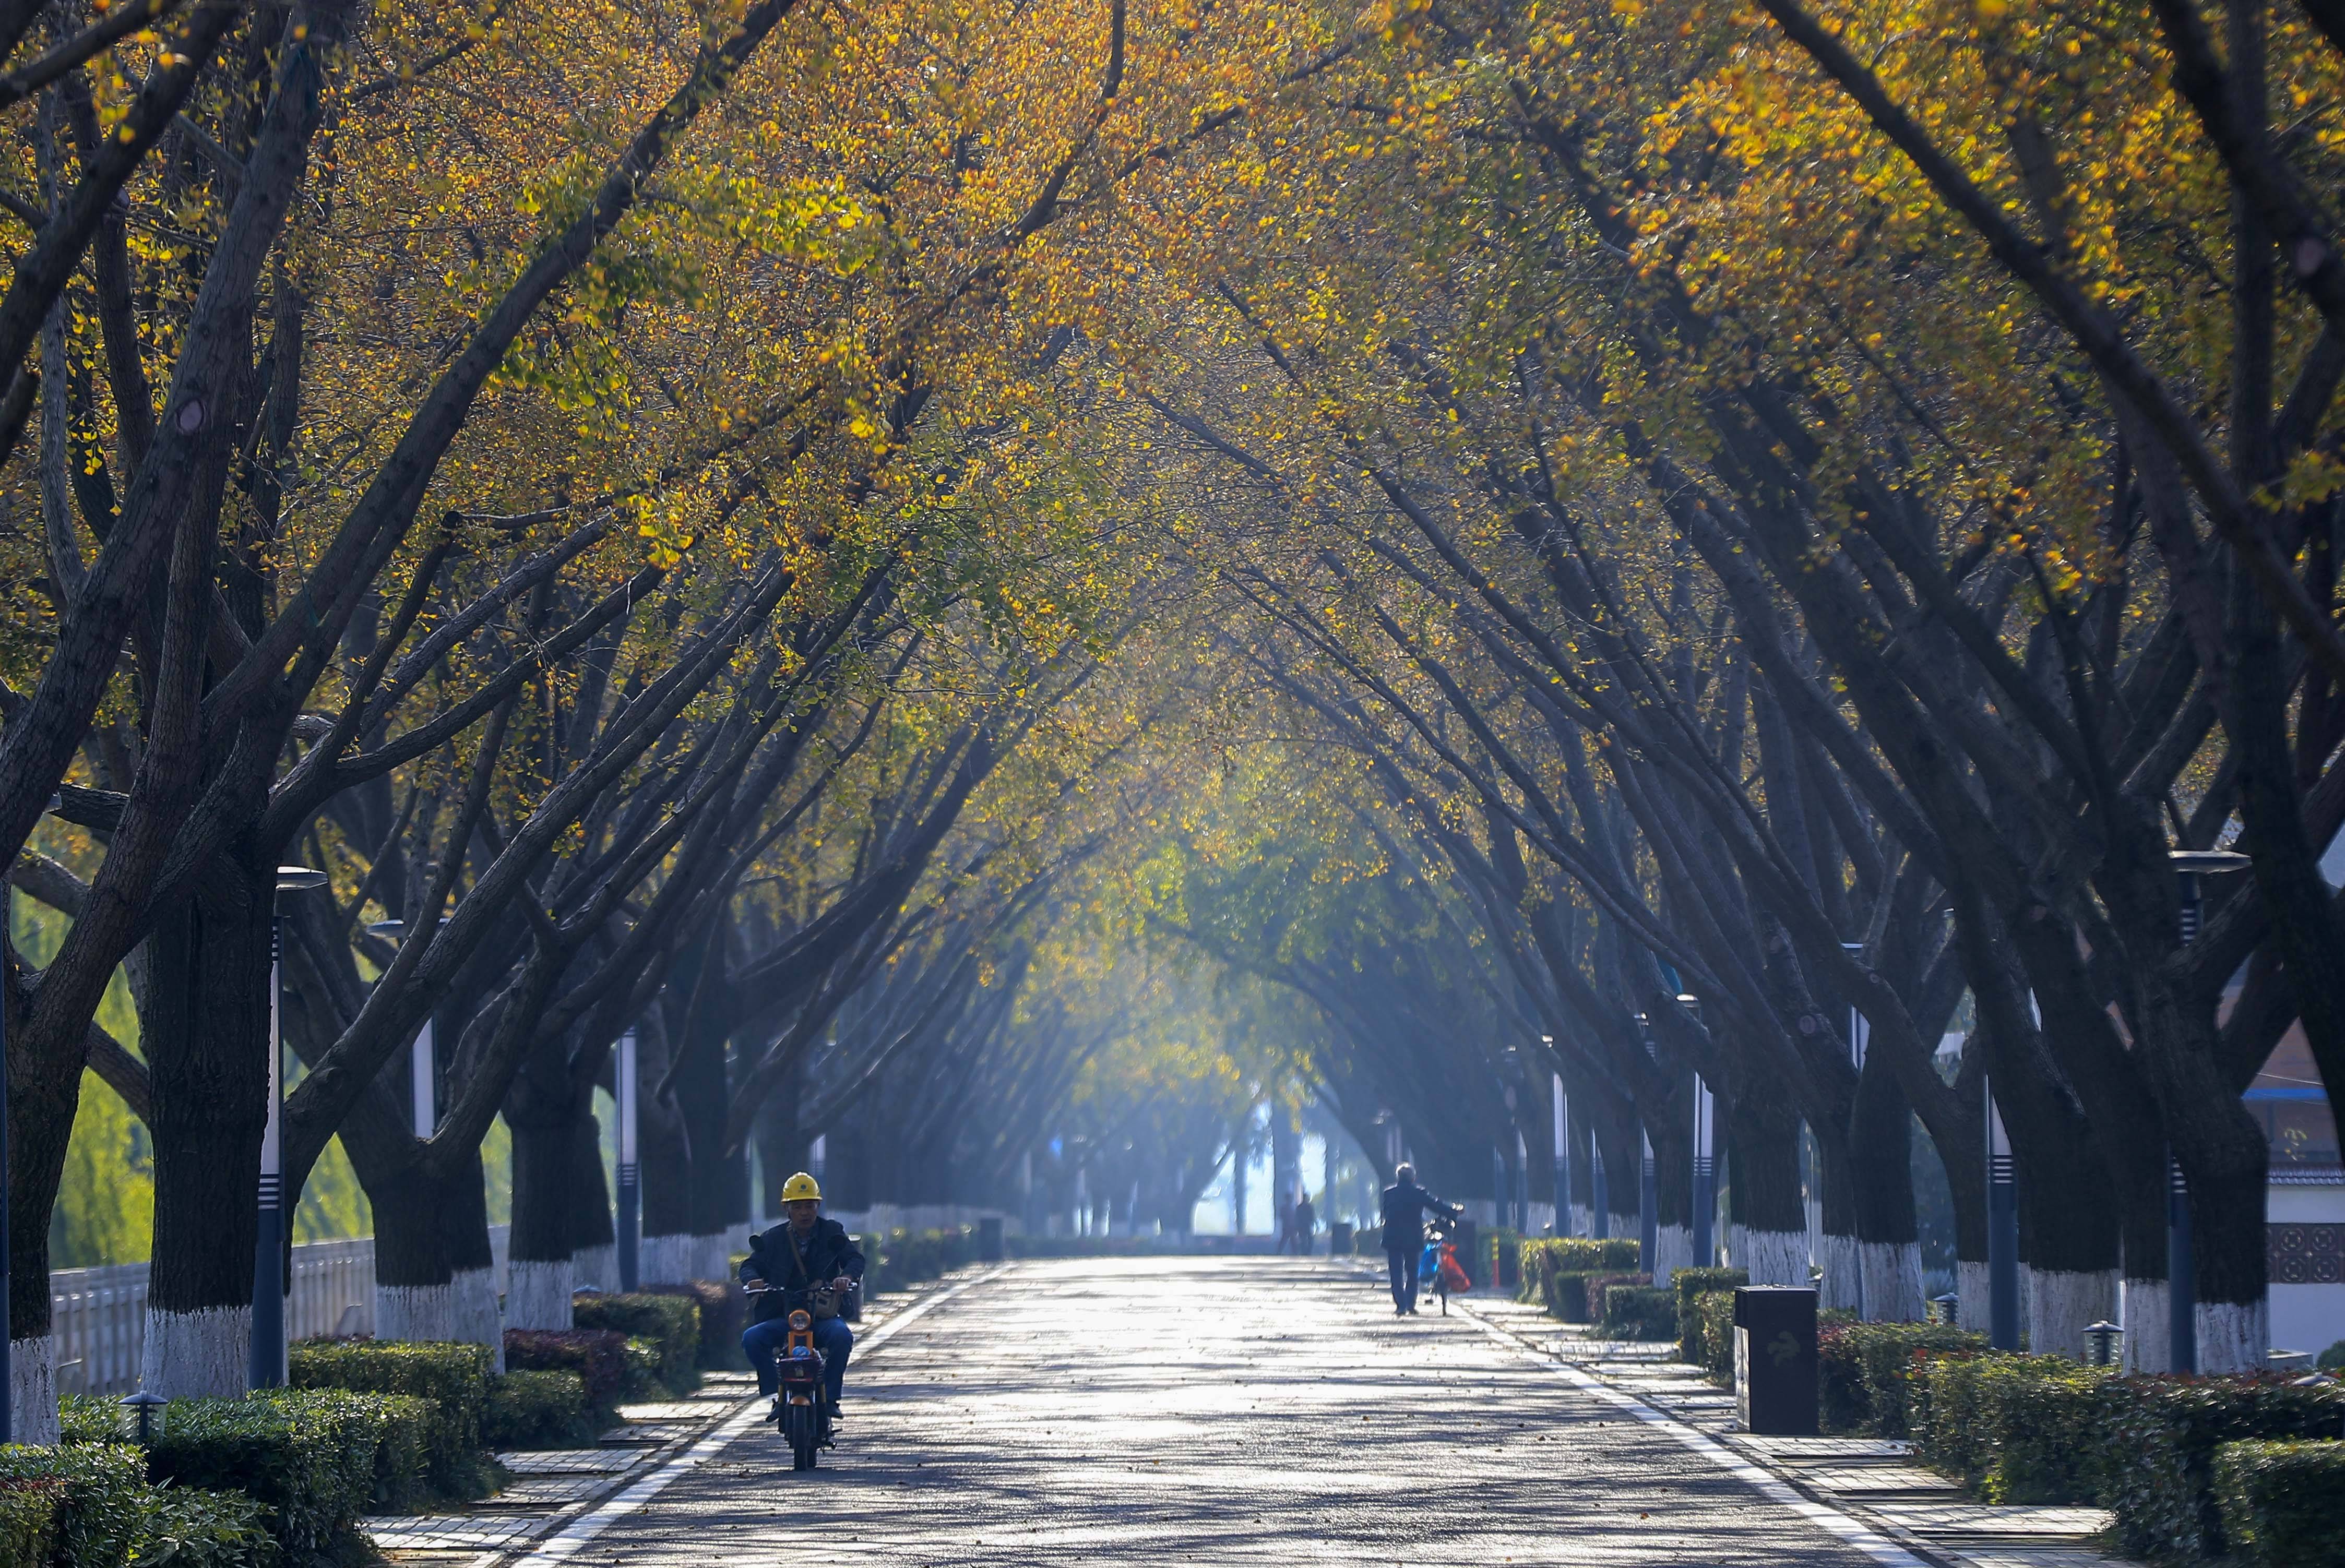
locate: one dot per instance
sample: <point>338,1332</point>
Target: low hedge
<point>72,1506</point>
<point>724,1313</point>
<point>896,1259</point>
<point>29,1506</point>
<point>2282,1503</point>
<point>2160,1436</point>
<point>308,1457</point>
<point>2015,1428</point>
<point>453,1376</point>
<point>1863,1371</point>
<point>184,1527</point>
<point>393,1431</point>
<point>526,1410</point>
<point>1691,1284</point>
<point>1596,1286</point>
<point>1713,1311</point>
<point>1639,1313</point>
<point>670,1324</point>
<point>1556,1268</point>
<point>599,1357</point>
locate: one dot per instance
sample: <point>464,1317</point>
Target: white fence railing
<point>99,1315</point>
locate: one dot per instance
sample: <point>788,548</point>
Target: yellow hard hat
<point>801,1186</point>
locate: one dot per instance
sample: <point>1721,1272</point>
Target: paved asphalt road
<point>1162,1410</point>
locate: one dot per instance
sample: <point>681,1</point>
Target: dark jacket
<point>828,1253</point>
<point>1404,1210</point>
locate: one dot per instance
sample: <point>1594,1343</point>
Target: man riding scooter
<point>796,1263</point>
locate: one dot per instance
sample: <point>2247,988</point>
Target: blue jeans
<point>763,1343</point>
<point>1403,1262</point>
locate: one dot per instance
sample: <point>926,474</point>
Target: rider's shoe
<point>774,1410</point>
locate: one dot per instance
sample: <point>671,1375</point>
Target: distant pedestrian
<point>1405,1204</point>
<point>1306,1219</point>
<point>1286,1221</point>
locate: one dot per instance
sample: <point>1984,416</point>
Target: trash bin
<point>1339,1239</point>
<point>1775,1360</point>
<point>988,1238</point>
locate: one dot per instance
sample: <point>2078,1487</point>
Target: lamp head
<point>298,878</point>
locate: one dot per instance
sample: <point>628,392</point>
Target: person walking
<point>1306,1219</point>
<point>1405,1204</point>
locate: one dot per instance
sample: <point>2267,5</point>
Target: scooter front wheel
<point>803,1428</point>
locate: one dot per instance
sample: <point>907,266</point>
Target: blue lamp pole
<point>630,1182</point>
<point>267,1369</point>
<point>2181,1267</point>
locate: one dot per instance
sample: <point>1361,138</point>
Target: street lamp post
<point>2181,1268</point>
<point>1562,1159</point>
<point>631,1177</point>
<point>423,1061</point>
<point>1705,1160</point>
<point>2002,1233</point>
<point>266,1368</point>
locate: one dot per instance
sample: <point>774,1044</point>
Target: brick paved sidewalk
<point>1872,1479</point>
<point>551,1487</point>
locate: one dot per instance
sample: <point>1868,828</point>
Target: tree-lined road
<point>1159,1410</point>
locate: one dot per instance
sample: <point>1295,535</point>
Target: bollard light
<point>2104,1335</point>
<point>138,1408</point>
<point>1947,1306</point>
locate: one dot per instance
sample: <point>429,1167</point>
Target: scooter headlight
<point>800,1321</point>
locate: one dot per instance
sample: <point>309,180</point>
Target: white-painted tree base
<point>736,1239</point>
<point>595,1267</point>
<point>2234,1336</point>
<point>537,1293</point>
<point>2148,1326</point>
<point>1838,1291</point>
<point>203,1355</point>
<point>1626,1226</point>
<point>664,1260</point>
<point>1583,1220</point>
<point>712,1255</point>
<point>1974,1297</point>
<point>1672,1250</point>
<point>1891,1273</point>
<point>2060,1302</point>
<point>1775,1256</point>
<point>33,1389</point>
<point>417,1313</point>
<point>476,1318</point>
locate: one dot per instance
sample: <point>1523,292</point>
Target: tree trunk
<point>477,1316</point>
<point>206,1048</point>
<point>593,1247</point>
<point>1670,1132</point>
<point>1762,1152</point>
<point>538,1279</point>
<point>1888,1232</point>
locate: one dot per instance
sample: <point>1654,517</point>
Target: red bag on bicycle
<point>1453,1276</point>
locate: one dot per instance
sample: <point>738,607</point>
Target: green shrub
<point>2283,1503</point>
<point>94,1494</point>
<point>1863,1368</point>
<point>1555,1270</point>
<point>537,1409</point>
<point>1639,1313</point>
<point>453,1376</point>
<point>308,1458</point>
<point>670,1324</point>
<point>1714,1310</point>
<point>1596,1286</point>
<point>396,1429</point>
<point>896,1258</point>
<point>724,1313</point>
<point>86,1418</point>
<point>182,1527</point>
<point>599,1357</point>
<point>2017,1429</point>
<point>1690,1283</point>
<point>2160,1438</point>
<point>29,1506</point>
<point>2332,1357</point>
<point>644,1360</point>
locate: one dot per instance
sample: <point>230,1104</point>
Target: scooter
<point>1440,1267</point>
<point>803,1410</point>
